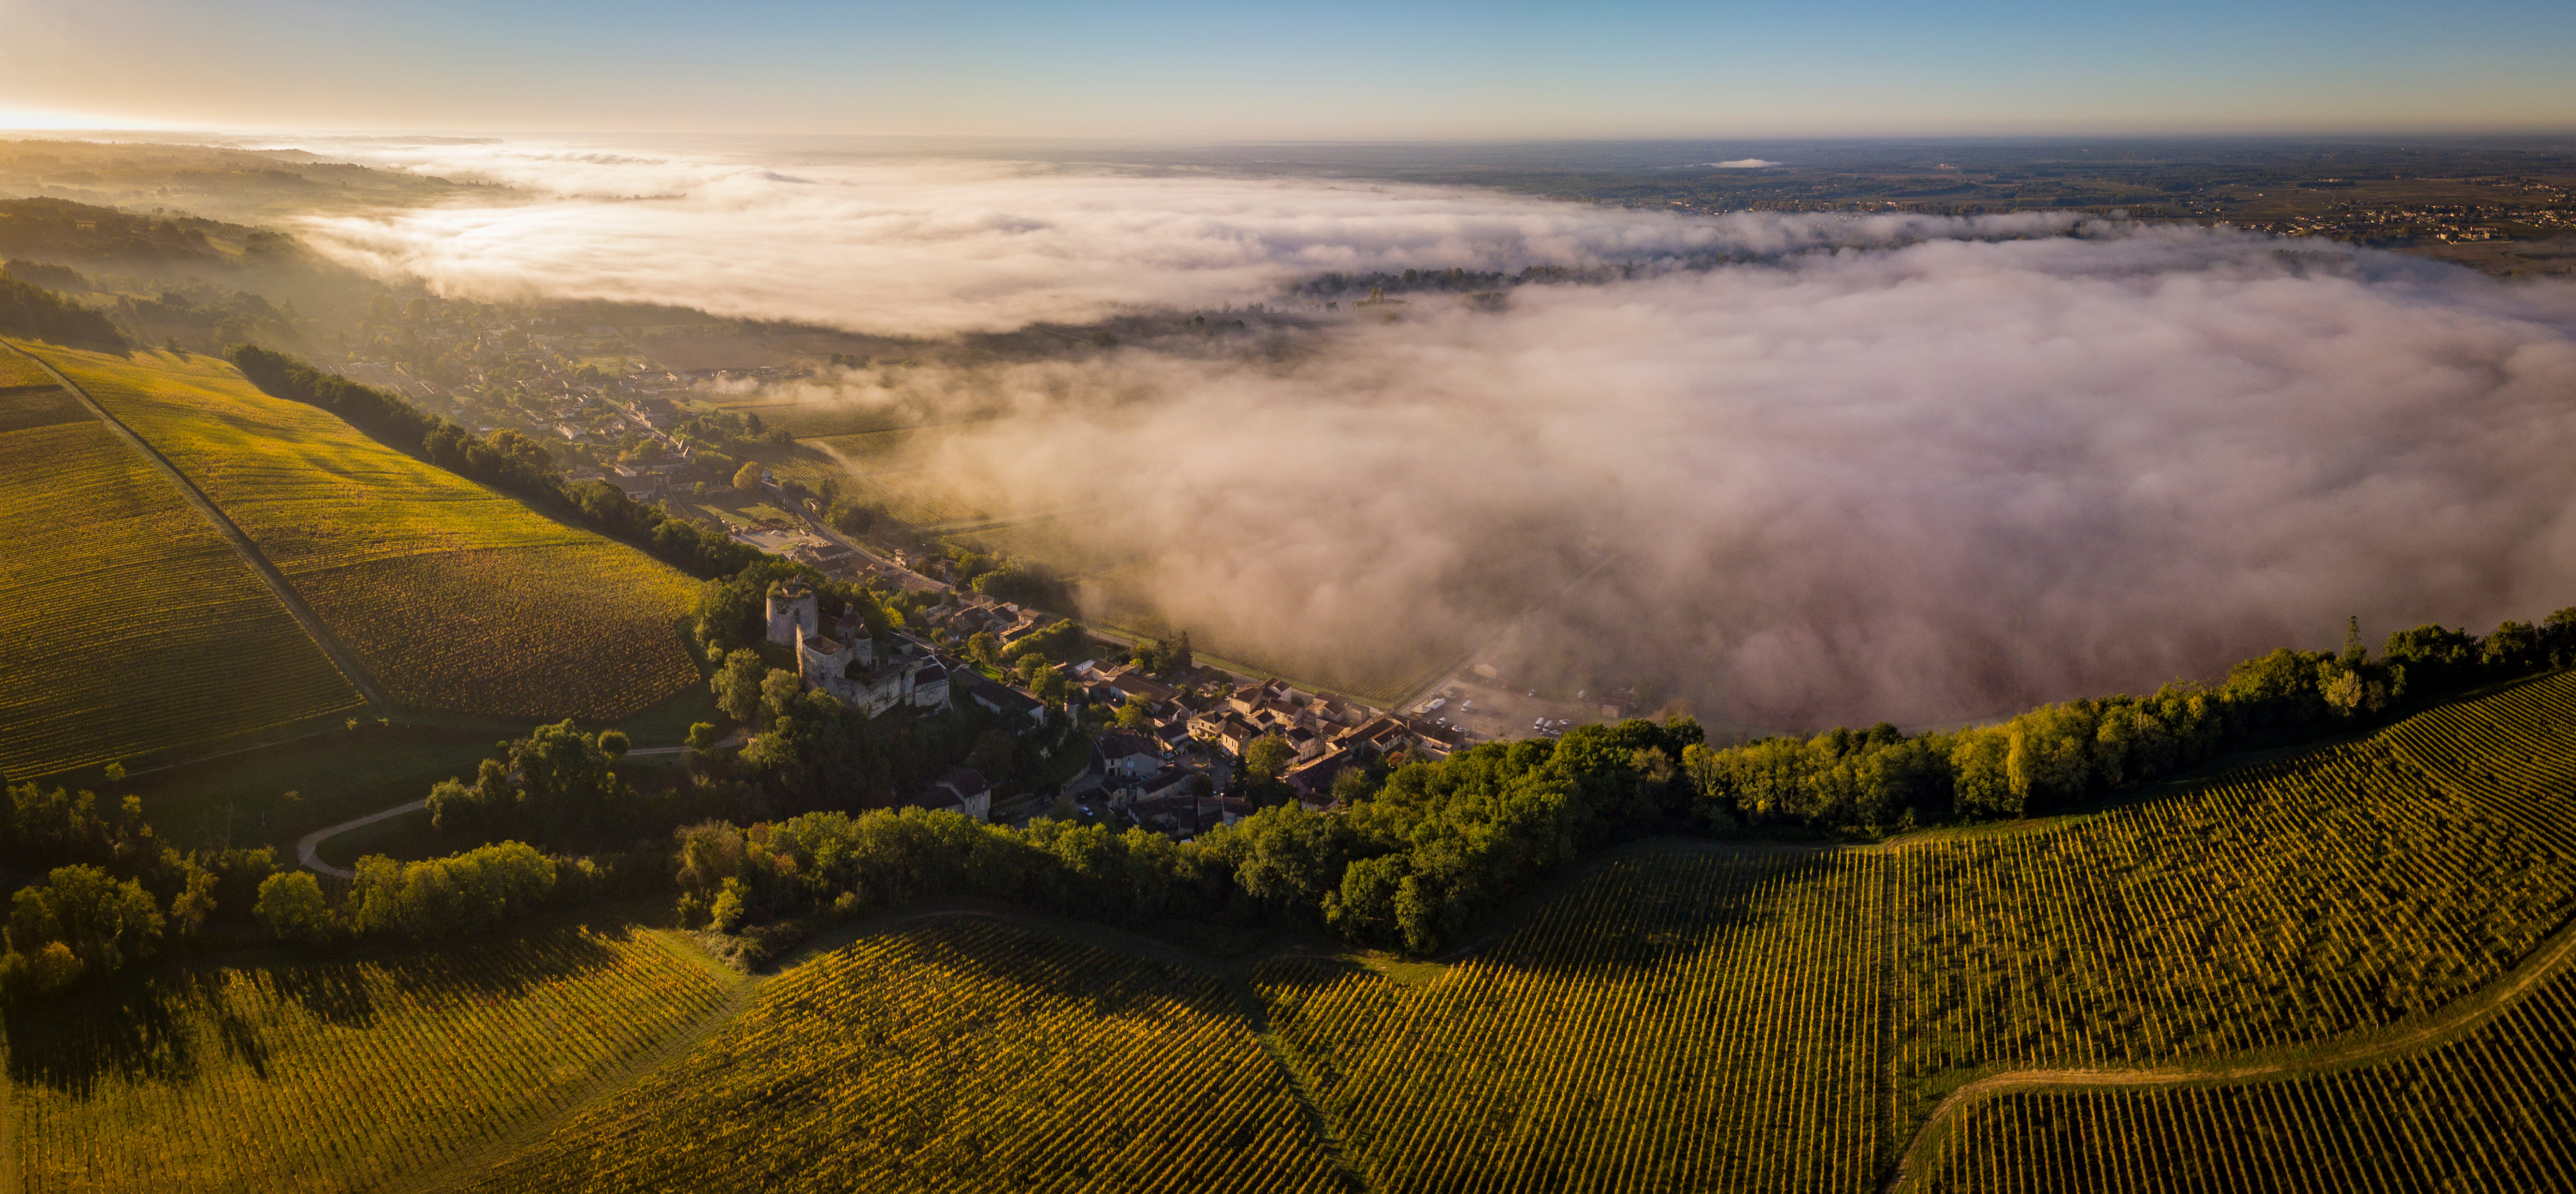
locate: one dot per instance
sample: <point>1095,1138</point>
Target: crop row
<point>1694,1020</point>
<point>2336,892</point>
<point>578,629</point>
<point>126,623</point>
<point>454,596</point>
<point>2494,1110</point>
<point>954,1056</point>
<point>17,371</point>
<point>334,1075</point>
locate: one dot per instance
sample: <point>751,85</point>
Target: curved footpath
<point>308,848</point>
<point>2458,1019</point>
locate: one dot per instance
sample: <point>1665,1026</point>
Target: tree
<point>985,649</point>
<point>991,757</point>
<point>1352,785</point>
<point>194,904</point>
<point>737,684</point>
<point>439,897</point>
<point>778,693</point>
<point>702,736</point>
<point>565,777</point>
<point>105,923</point>
<point>1049,685</point>
<point>747,478</point>
<point>615,743</point>
<point>42,972</point>
<point>291,907</point>
<point>1267,757</point>
<point>1182,660</point>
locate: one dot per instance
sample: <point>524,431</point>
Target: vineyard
<point>950,1057</point>
<point>1683,1020</point>
<point>17,372</point>
<point>336,1075</point>
<point>126,623</point>
<point>506,599</point>
<point>2494,1110</point>
<point>2339,891</point>
<point>457,599</point>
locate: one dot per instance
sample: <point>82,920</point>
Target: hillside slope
<point>954,1056</point>
<point>127,624</point>
<point>337,1074</point>
<point>1708,1015</point>
<point>457,599</point>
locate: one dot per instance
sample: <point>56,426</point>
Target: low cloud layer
<point>906,247</point>
<point>1939,471</point>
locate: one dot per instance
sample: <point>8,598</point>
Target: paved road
<point>902,576</point>
<point>308,848</point>
<point>268,574</point>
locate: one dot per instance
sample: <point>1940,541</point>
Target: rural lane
<point>308,849</point>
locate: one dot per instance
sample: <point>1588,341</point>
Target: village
<point>1176,753</point>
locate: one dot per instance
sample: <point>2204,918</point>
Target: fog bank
<point>1825,469</point>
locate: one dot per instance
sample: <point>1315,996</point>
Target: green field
<point>337,1075</point>
<point>127,624</point>
<point>955,1056</point>
<point>457,599</point>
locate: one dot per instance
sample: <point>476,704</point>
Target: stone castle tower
<point>791,608</point>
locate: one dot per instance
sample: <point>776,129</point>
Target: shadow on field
<point>1652,908</point>
<point>192,1017</point>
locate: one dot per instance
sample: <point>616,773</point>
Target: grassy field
<point>127,624</point>
<point>457,599</point>
<point>336,1075</point>
<point>955,1056</point>
<point>2492,1111</point>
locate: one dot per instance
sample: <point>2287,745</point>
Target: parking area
<point>1487,710</point>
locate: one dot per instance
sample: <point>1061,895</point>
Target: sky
<point>1334,69</point>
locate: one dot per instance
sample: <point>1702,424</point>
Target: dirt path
<point>268,574</point>
<point>2460,1018</point>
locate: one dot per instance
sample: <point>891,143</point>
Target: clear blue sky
<point>1334,69</point>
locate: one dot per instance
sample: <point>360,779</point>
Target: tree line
<point>40,314</point>
<point>112,895</point>
<point>1421,852</point>
<point>506,460</point>
<point>1415,862</point>
<point>2057,754</point>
